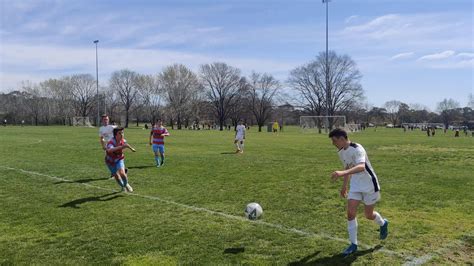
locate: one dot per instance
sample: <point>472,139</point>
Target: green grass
<point>426,194</point>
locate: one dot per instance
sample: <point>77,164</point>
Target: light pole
<point>327,65</point>
<point>97,81</point>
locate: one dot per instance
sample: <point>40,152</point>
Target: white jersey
<point>365,181</point>
<point>240,134</point>
<point>107,132</point>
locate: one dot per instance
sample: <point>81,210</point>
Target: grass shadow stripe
<point>232,217</point>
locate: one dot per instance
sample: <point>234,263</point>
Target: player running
<point>157,141</point>
<point>115,158</point>
<point>240,137</point>
<point>364,186</point>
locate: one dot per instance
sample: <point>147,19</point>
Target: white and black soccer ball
<point>253,211</point>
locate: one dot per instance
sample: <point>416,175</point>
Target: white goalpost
<point>81,121</point>
<point>320,123</point>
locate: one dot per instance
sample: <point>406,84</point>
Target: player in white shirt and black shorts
<point>364,185</point>
<point>240,137</point>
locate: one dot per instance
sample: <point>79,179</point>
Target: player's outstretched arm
<point>126,145</point>
<point>102,143</point>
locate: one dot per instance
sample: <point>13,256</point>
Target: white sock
<point>378,219</point>
<point>242,146</point>
<point>237,146</point>
<point>352,228</point>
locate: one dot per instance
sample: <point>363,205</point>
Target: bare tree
<point>470,102</point>
<point>241,110</point>
<point>392,108</point>
<point>181,89</point>
<point>83,92</point>
<point>447,109</point>
<point>262,89</point>
<point>124,82</point>
<point>342,92</point>
<point>60,94</point>
<point>149,90</point>
<point>33,101</point>
<point>221,82</point>
<point>308,81</point>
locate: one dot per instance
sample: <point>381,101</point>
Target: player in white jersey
<point>106,131</point>
<point>240,137</point>
<point>364,185</point>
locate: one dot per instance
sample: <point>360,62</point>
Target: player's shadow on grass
<point>234,250</point>
<point>141,166</point>
<point>228,152</point>
<point>80,181</point>
<point>75,203</point>
<point>337,259</point>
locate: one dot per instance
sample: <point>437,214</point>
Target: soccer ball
<point>253,211</point>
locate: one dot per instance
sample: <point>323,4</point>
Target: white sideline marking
<point>409,259</point>
<point>439,252</point>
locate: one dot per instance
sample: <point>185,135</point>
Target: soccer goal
<point>353,127</point>
<point>319,123</point>
<point>81,121</point>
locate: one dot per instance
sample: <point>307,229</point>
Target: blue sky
<point>412,51</point>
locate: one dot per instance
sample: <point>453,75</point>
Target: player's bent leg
<point>369,212</point>
<point>369,200</point>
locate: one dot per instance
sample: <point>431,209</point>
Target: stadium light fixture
<point>97,81</point>
<point>327,62</point>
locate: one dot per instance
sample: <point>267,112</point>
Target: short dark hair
<point>338,132</point>
<point>104,115</point>
<point>117,129</point>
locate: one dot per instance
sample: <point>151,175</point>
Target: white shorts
<point>367,198</point>
<point>239,138</point>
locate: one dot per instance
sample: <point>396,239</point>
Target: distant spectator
<point>4,122</point>
<point>456,133</point>
<point>275,127</point>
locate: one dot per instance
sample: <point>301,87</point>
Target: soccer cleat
<point>129,188</point>
<point>384,230</point>
<point>237,151</point>
<point>349,250</point>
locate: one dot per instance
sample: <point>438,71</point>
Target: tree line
<point>218,95</point>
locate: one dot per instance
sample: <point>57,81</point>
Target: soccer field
<point>60,207</point>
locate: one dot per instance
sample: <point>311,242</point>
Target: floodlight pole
<point>327,64</point>
<point>97,81</point>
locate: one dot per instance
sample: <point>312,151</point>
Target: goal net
<point>353,127</point>
<point>81,121</point>
<point>320,123</point>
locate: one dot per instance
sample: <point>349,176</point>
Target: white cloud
<point>437,56</point>
<point>402,56</point>
<point>416,32</point>
<point>351,18</point>
<point>465,55</point>
<point>41,62</point>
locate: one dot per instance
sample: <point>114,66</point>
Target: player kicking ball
<point>115,158</point>
<point>157,140</point>
<point>364,186</point>
<point>240,137</point>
